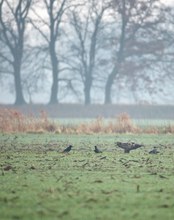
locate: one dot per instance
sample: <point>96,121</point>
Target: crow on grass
<point>154,151</point>
<point>68,149</point>
<point>96,150</point>
<point>128,146</point>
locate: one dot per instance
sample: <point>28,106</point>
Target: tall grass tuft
<point>125,124</point>
<point>12,120</point>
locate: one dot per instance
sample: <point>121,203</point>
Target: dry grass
<point>124,124</point>
<point>12,120</point>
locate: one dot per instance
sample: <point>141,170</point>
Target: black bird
<point>96,150</point>
<point>67,150</point>
<point>128,146</point>
<point>154,151</point>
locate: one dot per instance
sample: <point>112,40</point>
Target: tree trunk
<point>120,57</point>
<point>87,90</point>
<point>109,84</point>
<point>18,86</point>
<point>54,88</point>
<point>87,96</point>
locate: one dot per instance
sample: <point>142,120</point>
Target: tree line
<point>82,48</point>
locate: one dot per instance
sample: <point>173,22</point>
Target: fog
<point>116,52</point>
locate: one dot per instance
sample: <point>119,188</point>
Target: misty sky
<point>43,97</point>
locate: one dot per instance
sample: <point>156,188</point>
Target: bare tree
<point>138,41</point>
<point>87,27</point>
<point>51,23</point>
<point>13,18</point>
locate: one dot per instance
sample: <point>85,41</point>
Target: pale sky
<point>170,2</point>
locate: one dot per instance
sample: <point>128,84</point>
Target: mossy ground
<point>37,181</point>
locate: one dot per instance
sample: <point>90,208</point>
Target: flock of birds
<point>127,147</point>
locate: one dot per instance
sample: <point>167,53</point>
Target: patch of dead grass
<point>12,120</point>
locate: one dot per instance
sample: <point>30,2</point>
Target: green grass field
<point>37,181</point>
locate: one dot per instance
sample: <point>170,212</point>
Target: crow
<point>96,150</point>
<point>128,146</point>
<point>67,150</point>
<point>154,151</point>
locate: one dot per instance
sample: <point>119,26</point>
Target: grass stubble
<point>37,181</point>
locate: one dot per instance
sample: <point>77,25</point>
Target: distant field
<point>139,122</point>
<point>143,124</point>
<point>39,182</point>
<point>97,110</point>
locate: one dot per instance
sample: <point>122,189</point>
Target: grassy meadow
<point>38,181</point>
